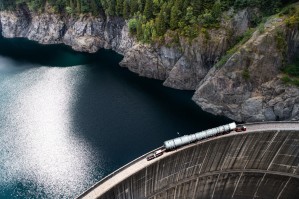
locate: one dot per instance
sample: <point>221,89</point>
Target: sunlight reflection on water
<point>45,150</point>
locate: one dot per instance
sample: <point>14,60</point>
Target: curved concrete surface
<point>263,162</point>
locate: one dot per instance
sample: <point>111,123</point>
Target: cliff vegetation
<point>151,19</point>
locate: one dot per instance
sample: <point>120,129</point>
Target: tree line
<point>150,19</point>
<point>58,6</point>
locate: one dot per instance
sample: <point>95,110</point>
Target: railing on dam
<point>249,125</point>
<point>115,172</point>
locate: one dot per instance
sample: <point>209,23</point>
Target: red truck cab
<point>240,128</point>
<point>158,153</point>
<point>155,154</point>
<point>150,156</point>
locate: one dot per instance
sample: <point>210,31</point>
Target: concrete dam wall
<point>260,164</point>
<point>255,165</point>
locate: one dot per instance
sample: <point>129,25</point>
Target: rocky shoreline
<point>189,65</point>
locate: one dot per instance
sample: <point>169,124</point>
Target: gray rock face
<point>188,64</point>
<point>14,24</point>
<point>196,59</point>
<point>85,34</point>
<point>46,29</point>
<point>144,60</point>
<point>248,87</point>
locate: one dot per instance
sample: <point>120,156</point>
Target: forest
<point>149,20</point>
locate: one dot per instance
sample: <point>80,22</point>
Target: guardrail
<point>116,172</point>
<point>271,122</point>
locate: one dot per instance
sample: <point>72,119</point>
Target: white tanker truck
<point>186,139</point>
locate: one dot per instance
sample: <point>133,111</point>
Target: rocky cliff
<point>248,86</point>
<point>186,64</point>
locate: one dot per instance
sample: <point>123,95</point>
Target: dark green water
<point>64,128</point>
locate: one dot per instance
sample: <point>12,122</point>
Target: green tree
<point>174,17</point>
<point>139,30</point>
<point>161,21</point>
<point>109,7</point>
<point>156,7</point>
<point>119,7</point>
<point>148,9</point>
<point>141,4</point>
<point>69,10</point>
<point>216,9</point>
<point>95,7</point>
<point>147,32</point>
<point>190,18</point>
<point>71,4</point>
<point>126,9</point>
<point>132,24</point>
<point>78,6</point>
<point>133,6</point>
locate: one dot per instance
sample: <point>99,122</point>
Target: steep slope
<point>184,64</point>
<point>248,86</point>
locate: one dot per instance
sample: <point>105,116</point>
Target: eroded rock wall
<point>248,86</point>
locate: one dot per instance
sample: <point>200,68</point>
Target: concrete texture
<point>257,164</point>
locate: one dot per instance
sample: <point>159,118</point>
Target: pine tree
<point>216,10</point>
<point>139,30</point>
<point>156,7</point>
<point>126,9</point>
<point>133,6</point>
<point>111,7</point>
<point>119,7</point>
<point>78,6</point>
<point>174,17</point>
<point>141,4</point>
<point>94,7</point>
<point>161,22</point>
<point>148,9</point>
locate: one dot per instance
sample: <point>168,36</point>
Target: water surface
<point>67,119</point>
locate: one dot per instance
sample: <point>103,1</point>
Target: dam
<point>262,162</point>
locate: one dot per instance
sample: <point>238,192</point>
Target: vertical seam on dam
<point>258,186</point>
<point>195,188</point>
<point>282,145</point>
<point>215,187</point>
<point>284,188</point>
<point>237,185</point>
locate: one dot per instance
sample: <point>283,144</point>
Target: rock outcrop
<point>248,86</point>
<point>188,64</point>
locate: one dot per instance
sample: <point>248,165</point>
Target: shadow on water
<point>131,114</point>
<point>23,50</point>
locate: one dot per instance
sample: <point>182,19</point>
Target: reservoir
<point>68,119</point>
